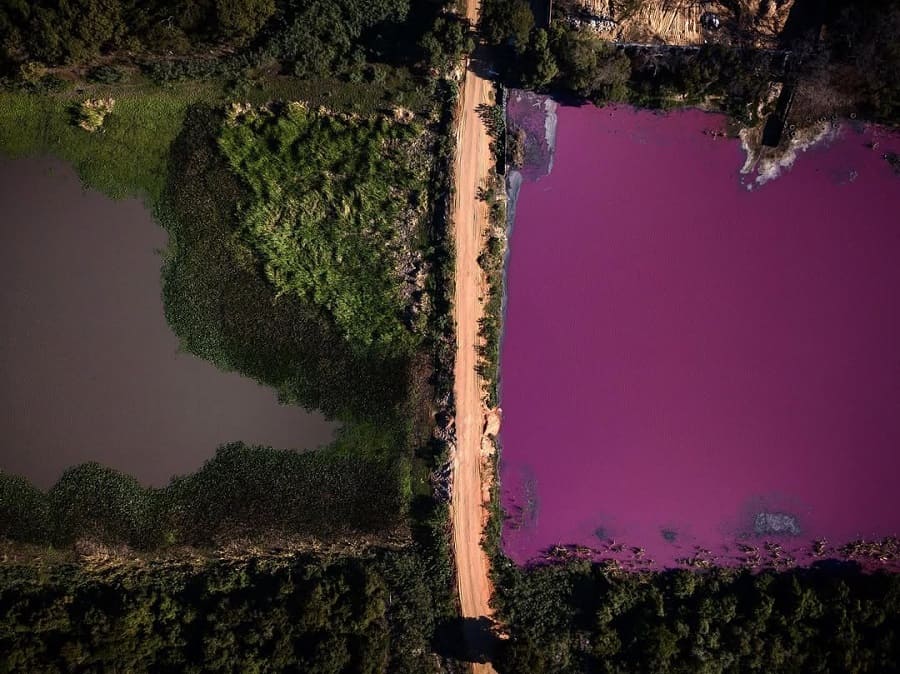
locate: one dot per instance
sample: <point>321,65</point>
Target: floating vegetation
<point>885,550</point>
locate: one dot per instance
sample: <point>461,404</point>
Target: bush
<point>90,501</point>
<point>256,491</point>
<point>105,75</point>
<point>333,203</point>
<point>242,492</point>
<point>24,511</point>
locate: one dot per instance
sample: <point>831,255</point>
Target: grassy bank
<point>129,157</point>
<point>255,494</point>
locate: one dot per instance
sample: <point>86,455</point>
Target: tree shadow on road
<point>467,640</point>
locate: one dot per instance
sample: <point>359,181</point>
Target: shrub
<point>105,75</point>
<point>90,501</point>
<point>333,203</point>
<point>24,512</point>
<point>92,113</point>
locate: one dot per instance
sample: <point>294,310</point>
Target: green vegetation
<point>223,308</point>
<point>333,213</point>
<point>587,66</point>
<point>576,62</point>
<point>253,493</point>
<point>493,257</point>
<point>130,155</point>
<point>583,618</point>
<point>80,30</point>
<point>446,42</point>
<point>340,302</point>
<point>370,614</point>
<point>851,69</point>
<point>171,40</point>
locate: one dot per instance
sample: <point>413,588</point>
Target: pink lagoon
<point>694,371</point>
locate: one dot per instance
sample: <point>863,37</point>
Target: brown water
<point>89,369</point>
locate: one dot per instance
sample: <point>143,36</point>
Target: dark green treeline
<point>583,618</point>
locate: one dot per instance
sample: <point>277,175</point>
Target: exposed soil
<point>471,475</point>
<point>687,22</point>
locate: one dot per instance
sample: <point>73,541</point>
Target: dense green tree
<point>446,42</point>
<point>540,64</point>
<point>507,22</point>
<point>344,615</point>
<point>243,18</point>
<point>589,66</point>
<point>578,617</point>
<point>315,36</point>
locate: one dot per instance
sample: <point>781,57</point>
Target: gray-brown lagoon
<point>89,369</point>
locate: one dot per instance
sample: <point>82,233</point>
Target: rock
<point>492,422</point>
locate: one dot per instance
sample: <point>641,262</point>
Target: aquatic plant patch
<point>333,200</point>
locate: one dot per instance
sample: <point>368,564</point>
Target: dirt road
<point>471,472</point>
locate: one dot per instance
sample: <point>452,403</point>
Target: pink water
<point>682,354</point>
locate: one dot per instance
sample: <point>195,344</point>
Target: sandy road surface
<point>471,480</point>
